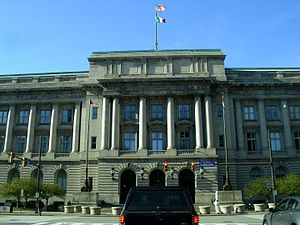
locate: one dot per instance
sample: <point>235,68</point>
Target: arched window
<point>34,175</point>
<point>280,171</point>
<point>13,174</point>
<point>256,172</point>
<point>61,179</point>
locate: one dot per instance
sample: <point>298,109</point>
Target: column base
<point>171,151</point>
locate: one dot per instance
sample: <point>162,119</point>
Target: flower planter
<point>68,209</point>
<point>226,209</point>
<point>116,210</point>
<point>85,209</point>
<point>259,207</point>
<point>77,208</point>
<point>239,208</point>
<point>204,209</point>
<point>95,210</point>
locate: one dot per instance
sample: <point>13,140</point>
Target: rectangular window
<point>2,139</point>
<point>94,112</point>
<point>249,113</point>
<point>65,144</point>
<point>157,140</point>
<point>275,140</point>
<point>251,141</point>
<point>130,112</point>
<point>45,116</point>
<point>3,117</point>
<point>184,111</point>
<point>273,112</point>
<point>23,117</point>
<point>295,112</point>
<point>297,139</point>
<point>93,142</point>
<point>185,140</point>
<point>221,141</point>
<point>219,110</point>
<point>67,115</point>
<point>157,112</point>
<point>43,143</point>
<point>130,141</point>
<point>20,144</point>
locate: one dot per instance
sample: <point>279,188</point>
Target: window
<point>130,112</point>
<point>130,141</point>
<point>157,112</point>
<point>67,116</point>
<point>184,111</point>
<point>249,113</point>
<point>275,140</point>
<point>280,172</point>
<point>23,117</point>
<point>221,141</point>
<point>65,144</point>
<point>3,117</point>
<point>34,175</point>
<point>157,140</point>
<point>93,142</point>
<point>251,141</point>
<point>94,112</point>
<point>43,143</point>
<point>45,116</point>
<point>272,112</point>
<point>255,172</point>
<point>2,140</point>
<point>297,139</point>
<point>13,174</point>
<point>295,112</point>
<point>185,140</point>
<point>20,144</point>
<point>61,180</point>
<point>219,110</point>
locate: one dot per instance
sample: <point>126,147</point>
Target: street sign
<point>207,164</point>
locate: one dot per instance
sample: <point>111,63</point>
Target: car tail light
<point>122,219</point>
<point>195,219</point>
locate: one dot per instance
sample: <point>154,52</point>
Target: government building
<point>148,118</point>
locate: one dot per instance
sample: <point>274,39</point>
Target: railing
<point>61,155</point>
<point>122,152</point>
<point>156,152</point>
<point>281,152</point>
<point>33,155</point>
<point>185,151</point>
<point>254,153</point>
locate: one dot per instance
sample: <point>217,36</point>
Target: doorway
<point>187,181</point>
<point>157,178</point>
<point>128,180</point>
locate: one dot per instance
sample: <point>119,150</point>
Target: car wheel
<point>265,222</point>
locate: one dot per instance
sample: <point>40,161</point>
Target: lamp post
<point>38,193</point>
<point>272,168</point>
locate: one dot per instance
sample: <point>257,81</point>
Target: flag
<point>91,102</point>
<point>223,102</point>
<point>160,8</point>
<point>160,20</point>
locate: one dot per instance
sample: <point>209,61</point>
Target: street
<point>246,219</point>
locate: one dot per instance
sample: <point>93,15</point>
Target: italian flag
<point>160,20</point>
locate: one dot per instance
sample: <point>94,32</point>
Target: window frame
<point>295,112</point>
<point>157,141</point>
<point>184,111</point>
<point>130,112</point>
<point>276,141</point>
<point>3,117</point>
<point>185,142</point>
<point>45,116</point>
<point>94,112</point>
<point>249,113</point>
<point>273,113</point>
<point>23,117</point>
<point>132,140</point>
<point>156,112</point>
<point>65,144</point>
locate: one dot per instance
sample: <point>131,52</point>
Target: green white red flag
<point>160,19</point>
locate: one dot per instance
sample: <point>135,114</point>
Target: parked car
<point>159,206</point>
<point>287,212</point>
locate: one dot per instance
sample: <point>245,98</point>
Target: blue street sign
<point>207,164</point>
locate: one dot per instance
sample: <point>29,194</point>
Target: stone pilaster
<point>105,124</point>
<point>239,125</point>
<point>263,126</point>
<point>209,125</point>
<point>142,124</point>
<point>115,130</point>
<point>198,123</point>
<point>287,126</point>
<point>53,129</point>
<point>170,124</point>
<point>8,143</point>
<point>76,121</point>
<point>30,129</point>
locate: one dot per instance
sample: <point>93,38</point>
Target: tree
<point>49,190</point>
<point>13,189</point>
<point>257,188</point>
<point>289,185</point>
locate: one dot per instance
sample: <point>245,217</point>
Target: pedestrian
<point>40,206</point>
<point>217,206</point>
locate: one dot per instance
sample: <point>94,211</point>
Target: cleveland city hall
<point>148,118</point>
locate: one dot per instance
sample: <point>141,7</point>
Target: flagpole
<point>156,42</point>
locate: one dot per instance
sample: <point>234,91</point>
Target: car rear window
<point>154,200</point>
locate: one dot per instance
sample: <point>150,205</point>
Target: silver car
<point>287,212</point>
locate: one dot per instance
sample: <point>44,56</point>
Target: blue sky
<point>59,35</point>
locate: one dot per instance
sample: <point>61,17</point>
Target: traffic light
<point>11,157</point>
<point>193,166</point>
<point>165,165</point>
<point>25,162</point>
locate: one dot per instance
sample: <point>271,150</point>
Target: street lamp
<point>274,192</point>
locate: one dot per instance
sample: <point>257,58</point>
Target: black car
<point>159,206</point>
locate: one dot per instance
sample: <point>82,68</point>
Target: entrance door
<point>187,181</point>
<point>128,180</point>
<point>157,178</point>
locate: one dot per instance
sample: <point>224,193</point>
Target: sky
<point>40,36</point>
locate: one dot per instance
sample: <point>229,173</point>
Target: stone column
<point>142,124</point>
<point>30,129</point>
<point>115,130</point>
<point>287,126</point>
<point>239,125</point>
<point>209,125</point>
<point>76,121</point>
<point>8,143</point>
<point>105,124</point>
<point>170,124</point>
<point>198,123</point>
<point>53,129</point>
<point>263,126</point>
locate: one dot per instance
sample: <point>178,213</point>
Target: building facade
<point>151,118</point>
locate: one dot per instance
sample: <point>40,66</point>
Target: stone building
<point>151,118</point>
